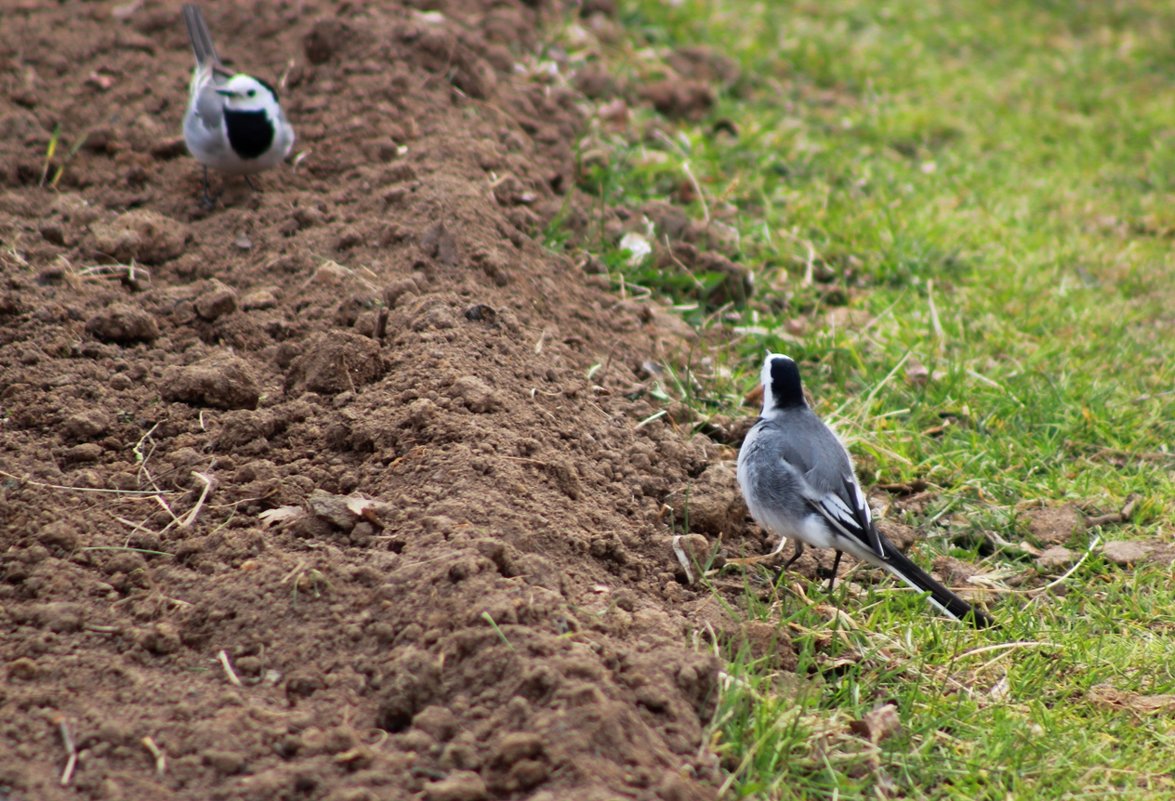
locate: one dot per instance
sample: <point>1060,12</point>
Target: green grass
<point>987,191</point>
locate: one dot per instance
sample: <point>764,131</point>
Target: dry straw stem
<point>209,485</point>
<point>100,490</point>
<point>681,557</point>
<point>233,678</point>
<point>157,753</point>
<point>70,749</point>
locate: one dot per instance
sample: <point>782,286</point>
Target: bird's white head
<point>782,388</point>
<point>245,93</point>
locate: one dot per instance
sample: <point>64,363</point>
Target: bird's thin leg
<point>206,198</point>
<point>253,186</point>
<point>799,550</point>
<point>835,565</point>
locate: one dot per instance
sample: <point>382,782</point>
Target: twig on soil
<point>143,455</point>
<point>681,557</point>
<point>99,629</point>
<point>599,371</point>
<point>650,419</point>
<point>70,749</point>
<point>154,593</point>
<point>126,547</point>
<point>140,456</point>
<point>209,485</point>
<point>1093,543</point>
<point>1118,453</point>
<point>163,504</point>
<point>142,493</point>
<point>134,526</point>
<point>1122,516</point>
<point>129,274</point>
<point>381,737</point>
<point>998,543</point>
<point>233,678</point>
<point>157,752</point>
<point>1004,646</point>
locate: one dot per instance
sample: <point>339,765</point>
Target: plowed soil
<point>315,494</point>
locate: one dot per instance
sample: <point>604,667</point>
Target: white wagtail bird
<point>798,482</point>
<point>234,122</point>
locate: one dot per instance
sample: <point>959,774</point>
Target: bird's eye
<point>251,93</point>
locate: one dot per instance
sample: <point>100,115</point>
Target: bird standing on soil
<point>798,482</point>
<point>234,122</point>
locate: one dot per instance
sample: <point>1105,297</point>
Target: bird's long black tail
<point>901,566</point>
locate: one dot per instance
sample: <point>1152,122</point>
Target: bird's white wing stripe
<point>835,506</point>
<point>862,503</point>
<point>838,515</point>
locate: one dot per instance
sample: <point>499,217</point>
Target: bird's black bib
<point>249,132</point>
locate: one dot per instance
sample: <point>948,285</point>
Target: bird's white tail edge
<point>940,597</point>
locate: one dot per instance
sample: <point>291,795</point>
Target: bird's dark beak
<point>226,93</point>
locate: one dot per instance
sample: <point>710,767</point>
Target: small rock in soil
<point>1055,525</point>
<point>222,381</point>
<point>1128,552</point>
<point>141,235</point>
<point>335,362</point>
<point>60,616</point>
<point>217,302</point>
<point>476,395</point>
<point>86,426</point>
<point>711,503</point>
<point>437,721</point>
<point>79,454</point>
<point>123,324</point>
<point>1055,557</point>
<point>439,243</point>
<point>464,785</point>
<point>327,38</point>
<point>679,99</point>
<point>518,745</point>
<point>23,669</point>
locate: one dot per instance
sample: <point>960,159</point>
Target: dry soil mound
<point>503,619</point>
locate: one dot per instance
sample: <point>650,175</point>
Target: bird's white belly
<point>212,149</point>
<point>811,530</point>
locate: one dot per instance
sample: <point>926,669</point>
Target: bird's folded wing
<point>848,514</point>
<point>209,107</point>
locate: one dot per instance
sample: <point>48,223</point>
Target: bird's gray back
<point>799,437</point>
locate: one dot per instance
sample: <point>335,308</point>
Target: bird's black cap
<point>782,378</point>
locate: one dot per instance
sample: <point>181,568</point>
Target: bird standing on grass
<point>234,122</point>
<point>798,482</point>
